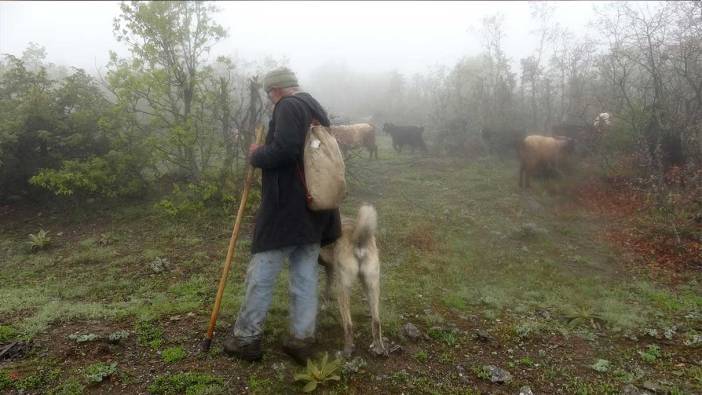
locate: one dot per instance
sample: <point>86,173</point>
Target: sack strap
<point>301,176</point>
<point>300,169</point>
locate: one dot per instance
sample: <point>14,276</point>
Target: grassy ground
<point>462,249</point>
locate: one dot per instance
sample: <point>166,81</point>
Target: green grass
<point>69,387</point>
<point>421,356</point>
<point>189,383</point>
<point>149,334</point>
<point>7,333</point>
<point>457,239</point>
<point>173,354</point>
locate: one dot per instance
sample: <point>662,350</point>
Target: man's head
<point>279,83</point>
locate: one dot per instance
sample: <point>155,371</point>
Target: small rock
<point>462,374</point>
<point>655,388</point>
<point>693,340</point>
<point>631,337</point>
<point>545,314</point>
<point>390,347</point>
<point>158,265</point>
<point>483,336</point>
<point>498,375</point>
<point>411,331</point>
<point>526,390</point>
<point>668,333</point>
<point>630,389</point>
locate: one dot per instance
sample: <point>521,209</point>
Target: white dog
<point>355,255</point>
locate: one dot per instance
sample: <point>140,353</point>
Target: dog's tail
<point>366,225</point>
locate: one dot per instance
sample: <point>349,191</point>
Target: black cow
<point>406,135</point>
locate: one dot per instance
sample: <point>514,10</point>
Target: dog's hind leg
<point>370,276</point>
<point>345,274</point>
<point>344,299</point>
<point>327,294</point>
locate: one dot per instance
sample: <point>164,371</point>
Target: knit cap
<point>281,77</point>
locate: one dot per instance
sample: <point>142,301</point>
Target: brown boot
<point>248,349</point>
<point>300,350</point>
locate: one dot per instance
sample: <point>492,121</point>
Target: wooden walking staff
<point>205,346</point>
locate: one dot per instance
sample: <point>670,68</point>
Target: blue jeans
<point>260,278</point>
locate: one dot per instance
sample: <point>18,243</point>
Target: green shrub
<point>651,354</point>
<point>7,333</point>
<point>315,375</point>
<point>39,241</point>
<point>97,372</point>
<point>601,365</point>
<point>173,354</point>
<point>5,381</point>
<point>482,372</point>
<point>149,334</point>
<point>116,337</point>
<point>421,356</point>
<point>114,175</point>
<point>450,338</point>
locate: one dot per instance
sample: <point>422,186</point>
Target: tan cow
<point>542,151</point>
<point>356,135</point>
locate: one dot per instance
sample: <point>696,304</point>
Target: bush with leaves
<point>97,372</point>
<point>46,122</point>
<point>315,375</point>
<point>113,175</point>
<point>39,241</point>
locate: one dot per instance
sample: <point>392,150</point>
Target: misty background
<point>102,92</point>
<point>340,50</point>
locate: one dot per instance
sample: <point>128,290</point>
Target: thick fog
<point>363,36</point>
<point>341,51</point>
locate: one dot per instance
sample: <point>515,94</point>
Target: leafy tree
<point>45,121</point>
<point>164,82</point>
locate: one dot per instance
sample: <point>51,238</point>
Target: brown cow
<point>541,151</point>
<point>356,135</point>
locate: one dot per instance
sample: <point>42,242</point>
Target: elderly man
<point>285,227</point>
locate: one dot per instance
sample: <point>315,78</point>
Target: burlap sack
<point>324,170</point>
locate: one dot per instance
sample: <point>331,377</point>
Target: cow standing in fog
<point>542,152</point>
<point>356,135</point>
<point>406,135</point>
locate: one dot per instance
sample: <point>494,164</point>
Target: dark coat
<point>283,218</point>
